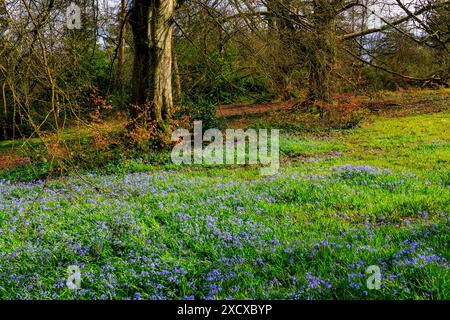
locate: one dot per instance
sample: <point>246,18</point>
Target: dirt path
<point>393,103</point>
<point>243,109</point>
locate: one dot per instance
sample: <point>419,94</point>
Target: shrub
<point>202,110</point>
<point>344,113</point>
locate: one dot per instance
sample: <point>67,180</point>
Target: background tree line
<point>144,57</point>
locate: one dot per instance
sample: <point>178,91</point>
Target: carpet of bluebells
<point>309,232</point>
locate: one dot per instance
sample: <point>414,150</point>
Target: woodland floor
<point>344,199</point>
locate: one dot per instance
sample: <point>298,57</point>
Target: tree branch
<point>431,78</point>
<point>392,24</point>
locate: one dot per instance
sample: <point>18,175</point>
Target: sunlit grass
<point>344,200</point>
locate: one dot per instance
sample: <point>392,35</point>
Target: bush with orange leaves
<point>345,112</point>
<point>156,134</point>
<point>101,105</point>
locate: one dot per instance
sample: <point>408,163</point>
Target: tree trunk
<point>5,113</point>
<point>139,21</point>
<point>152,25</point>
<point>281,36</point>
<point>322,51</point>
<point>121,55</point>
<point>162,24</point>
<point>176,76</point>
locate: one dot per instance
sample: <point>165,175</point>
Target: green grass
<point>418,142</point>
<point>344,200</point>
